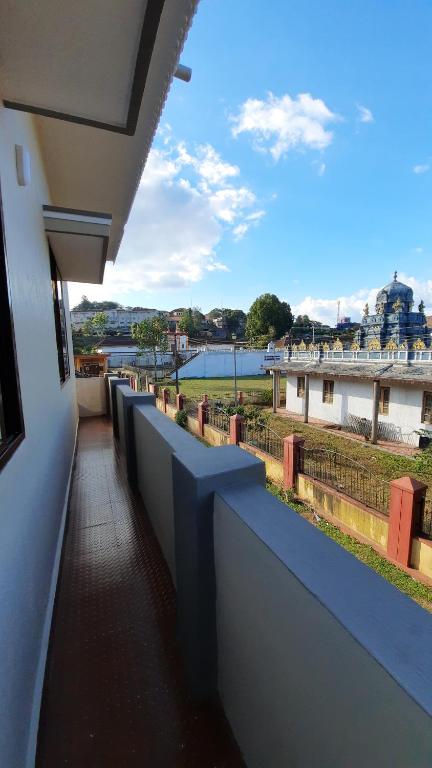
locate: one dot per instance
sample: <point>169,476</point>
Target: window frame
<point>384,402</point>
<point>301,388</point>
<point>62,341</point>
<point>427,394</point>
<point>11,412</point>
<point>328,391</point>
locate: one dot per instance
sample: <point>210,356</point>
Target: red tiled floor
<point>114,690</point>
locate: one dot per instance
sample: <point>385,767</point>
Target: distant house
<point>118,319</point>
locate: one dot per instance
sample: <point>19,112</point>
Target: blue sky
<point>251,187</point>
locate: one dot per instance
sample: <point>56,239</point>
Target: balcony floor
<point>114,690</point>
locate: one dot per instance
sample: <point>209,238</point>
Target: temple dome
<point>393,291</point>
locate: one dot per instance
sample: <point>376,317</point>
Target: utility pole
<point>176,363</point>
<point>234,337</point>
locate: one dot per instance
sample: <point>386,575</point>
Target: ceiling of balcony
<point>95,74</point>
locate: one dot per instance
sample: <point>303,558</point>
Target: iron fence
<point>217,417</point>
<point>347,476</point>
<point>262,437</point>
<point>191,407</point>
<point>359,425</point>
<point>426,518</point>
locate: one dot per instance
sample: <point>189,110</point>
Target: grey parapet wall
<point>321,662</point>
<point>113,383</point>
<point>196,478</point>
<point>126,399</point>
<point>157,438</point>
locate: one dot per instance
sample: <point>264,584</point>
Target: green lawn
<point>223,387</point>
<point>421,593</point>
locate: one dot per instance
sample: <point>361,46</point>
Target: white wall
<point>91,396</point>
<point>355,397</point>
<point>213,364</point>
<point>33,484</point>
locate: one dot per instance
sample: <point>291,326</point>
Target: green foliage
<point>151,335</point>
<point>266,396</point>
<point>190,322</point>
<point>86,305</point>
<point>181,419</point>
<point>234,321</point>
<point>268,317</point>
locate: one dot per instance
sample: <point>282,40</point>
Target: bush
<point>181,419</point>
<point>266,397</point>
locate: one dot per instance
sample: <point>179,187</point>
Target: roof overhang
<point>95,76</point>
<point>79,241</point>
<point>114,44</point>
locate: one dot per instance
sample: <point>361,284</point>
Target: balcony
<point>199,622</point>
<point>115,691</point>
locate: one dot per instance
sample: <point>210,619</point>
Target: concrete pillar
<point>292,446</point>
<point>276,390</point>
<point>306,399</point>
<point>165,398</point>
<point>202,415</point>
<point>154,389</point>
<point>180,401</point>
<point>406,504</point>
<point>375,408</point>
<point>240,398</point>
<point>236,422</point>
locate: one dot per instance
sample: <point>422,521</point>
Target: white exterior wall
<point>214,364</point>
<point>91,396</point>
<point>355,397</point>
<point>117,318</point>
<point>34,482</point>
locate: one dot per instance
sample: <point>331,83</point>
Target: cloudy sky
<point>298,161</point>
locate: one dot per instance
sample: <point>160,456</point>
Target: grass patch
<point>223,387</point>
<point>421,593</point>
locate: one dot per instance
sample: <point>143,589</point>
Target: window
<point>427,408</point>
<point>300,386</point>
<point>384,400</point>
<point>328,387</point>
<point>11,419</point>
<point>60,321</point>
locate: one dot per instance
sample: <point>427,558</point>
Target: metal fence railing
<point>262,437</point>
<point>426,518</point>
<point>218,417</point>
<point>191,407</point>
<point>359,425</point>
<point>347,476</point>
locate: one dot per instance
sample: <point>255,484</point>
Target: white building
<point>118,319</point>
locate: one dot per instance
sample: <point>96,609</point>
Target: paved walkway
<point>114,690</point>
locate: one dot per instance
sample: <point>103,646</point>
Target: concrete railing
<point>318,661</point>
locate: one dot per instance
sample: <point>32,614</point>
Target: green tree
<point>234,321</point>
<point>188,323</point>
<point>269,317</point>
<point>151,335</point>
<point>100,322</point>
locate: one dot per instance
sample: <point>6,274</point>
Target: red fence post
<point>240,398</point>
<point>406,502</point>
<point>235,426</point>
<point>202,415</point>
<point>292,446</point>
<point>180,401</point>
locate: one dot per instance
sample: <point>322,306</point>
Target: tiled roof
<point>411,374</point>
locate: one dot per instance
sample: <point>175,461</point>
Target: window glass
<point>11,419</point>
<point>427,408</point>
<point>328,387</point>
<point>60,321</point>
<point>384,400</point>
<point>300,386</point>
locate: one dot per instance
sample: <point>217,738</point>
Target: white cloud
<point>364,114</point>
<point>187,201</point>
<point>320,167</point>
<point>325,310</point>
<point>421,168</point>
<point>281,124</point>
